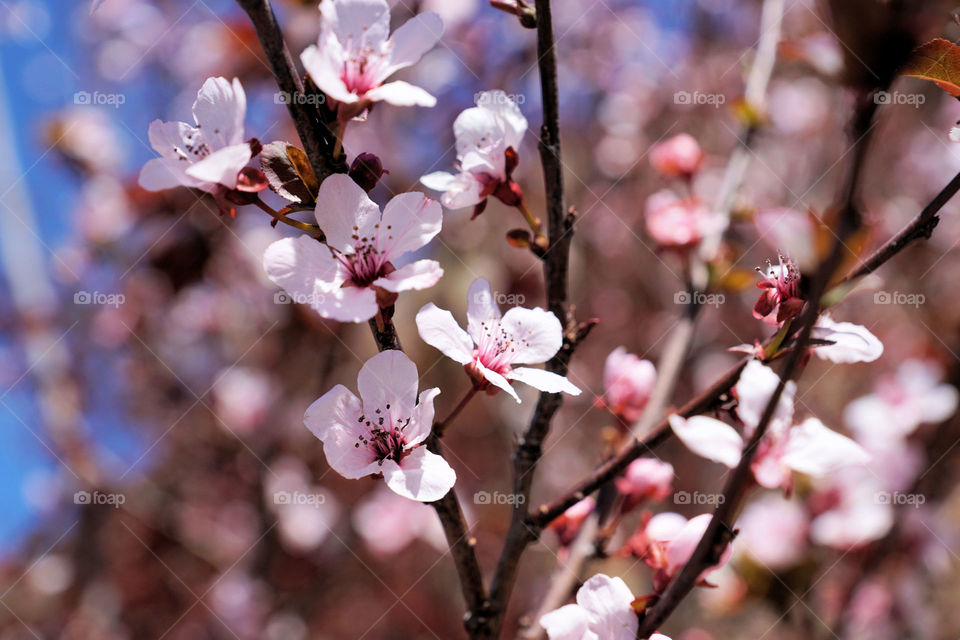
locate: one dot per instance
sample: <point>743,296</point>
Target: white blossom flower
<point>384,430</point>
<point>492,343</point>
<point>355,54</point>
<point>603,612</point>
<point>488,140</point>
<point>347,278</point>
<point>208,154</point>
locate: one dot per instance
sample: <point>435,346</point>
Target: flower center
<point>496,348</point>
<point>385,440</point>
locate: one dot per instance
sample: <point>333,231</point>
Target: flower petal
<point>336,408</point>
<point>414,38</point>
<point>535,334</point>
<point>438,328</point>
<point>324,64</point>
<point>708,438</point>
<point>219,111</point>
<point>421,423</point>
<point>222,166</point>
<point>357,23</point>
<point>344,456</point>
<point>438,180</point>
<point>497,380</point>
<point>421,476</point>
<point>421,274</point>
<point>851,342</point>
<point>389,377</point>
<point>345,213</point>
<point>608,600</point>
<point>814,449</point>
<point>481,308</point>
<point>754,390</point>
<point>410,221</point>
<point>164,173</point>
<point>543,380</point>
<point>300,265</point>
<point>569,622</point>
<point>401,94</point>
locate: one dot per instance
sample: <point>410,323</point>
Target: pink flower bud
<point>677,156</point>
<point>680,222</point>
<point>627,383</point>
<point>645,479</point>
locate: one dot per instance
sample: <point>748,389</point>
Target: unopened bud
<point>519,238</point>
<point>366,170</point>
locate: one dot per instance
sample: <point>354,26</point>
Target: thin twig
<point>441,426</point>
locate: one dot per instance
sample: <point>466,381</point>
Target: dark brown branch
<point>315,134</point>
<point>555,265</point>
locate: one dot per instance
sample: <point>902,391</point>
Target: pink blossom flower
<point>492,343</point>
<point>781,299</point>
<point>603,611</point>
<point>791,231</point>
<point>488,140</point>
<point>849,342</point>
<point>388,523</point>
<point>567,525</point>
<point>350,277</point>
<point>809,448</point>
<point>680,222</point>
<point>645,479</point>
<point>773,532</point>
<point>667,540</point>
<point>383,431</point>
<point>354,55</point>
<point>901,403</point>
<point>677,156</point>
<point>627,383</point>
<point>207,155</point>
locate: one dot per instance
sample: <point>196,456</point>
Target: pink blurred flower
<point>603,611</point>
<point>790,231</point>
<point>384,430</point>
<point>773,531</point>
<point>388,523</point>
<point>849,342</point>
<point>680,222</point>
<point>355,54</point>
<point>677,156</point>
<point>488,141</point>
<point>568,524</point>
<point>781,299</point>
<point>350,277</point>
<point>204,155</point>
<point>645,479</point>
<point>242,397</point>
<point>492,343</point>
<point>666,541</point>
<point>627,382</point>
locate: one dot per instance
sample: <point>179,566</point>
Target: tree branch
<point>317,137</point>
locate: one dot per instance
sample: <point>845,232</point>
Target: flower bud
<point>366,170</point>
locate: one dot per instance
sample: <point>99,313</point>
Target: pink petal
<point>324,64</point>
<point>421,274</point>
<point>851,342</point>
<point>438,329</point>
<point>163,173</point>
<point>220,110</point>
<point>414,38</point>
<point>410,221</point>
<point>536,334</point>
<point>362,23</point>
<point>481,308</point>
<point>543,380</point>
<point>708,438</point>
<point>569,622</point>
<point>608,602</point>
<point>421,476</point>
<point>497,380</point>
<point>754,389</point>
<point>401,94</point>
<point>815,450</point>
<point>389,377</point>
<point>337,408</point>
<point>345,213</point>
<point>222,166</point>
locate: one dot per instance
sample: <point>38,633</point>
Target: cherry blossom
<point>568,524</point>
<point>492,343</point>
<point>781,299</point>
<point>383,431</point>
<point>207,155</point>
<point>677,156</point>
<point>353,275</point>
<point>680,222</point>
<point>354,55</point>
<point>388,523</point>
<point>667,540</point>
<point>645,479</point>
<point>901,402</point>
<point>809,447</point>
<point>773,532</point>
<point>488,141</point>
<point>603,612</point>
<point>627,383</point>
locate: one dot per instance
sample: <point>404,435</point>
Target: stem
<point>441,426</point>
<point>312,229</point>
<point>532,221</point>
<point>314,132</point>
<point>338,145</point>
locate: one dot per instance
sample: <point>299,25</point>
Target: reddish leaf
<point>939,62</point>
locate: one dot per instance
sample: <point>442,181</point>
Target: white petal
<point>709,438</point>
<point>219,111</point>
<point>481,308</point>
<point>438,328</point>
<point>754,390</point>
<point>569,622</point>
<point>497,380</point>
<point>410,221</point>
<point>336,408</point>
<point>464,191</point>
<point>302,266</point>
<point>535,334</point>
<point>222,166</point>
<point>421,274</point>
<point>608,601</point>
<point>512,124</point>
<point>438,180</point>
<point>357,23</point>
<point>347,304</point>
<point>814,449</point>
<point>401,94</point>
<point>421,423</point>
<point>344,456</point>
<point>175,140</point>
<point>324,64</point>
<point>421,476</point>
<point>163,173</point>
<point>413,39</point>
<point>543,380</point>
<point>851,342</point>
<point>389,377</point>
<point>476,129</point>
<point>345,212</point>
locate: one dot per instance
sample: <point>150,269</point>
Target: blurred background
<point>152,384</point>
